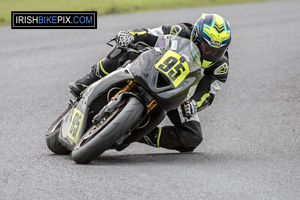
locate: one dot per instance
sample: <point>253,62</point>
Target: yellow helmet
<point>211,33</point>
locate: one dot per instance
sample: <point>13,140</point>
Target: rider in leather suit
<point>212,35</point>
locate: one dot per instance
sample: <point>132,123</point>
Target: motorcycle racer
<point>212,35</point>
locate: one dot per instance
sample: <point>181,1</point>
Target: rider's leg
<point>114,60</point>
<point>184,136</point>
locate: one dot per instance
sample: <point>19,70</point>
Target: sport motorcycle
<point>127,104</point>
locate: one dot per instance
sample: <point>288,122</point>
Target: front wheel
<point>102,136</point>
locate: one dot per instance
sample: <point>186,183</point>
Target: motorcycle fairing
<point>74,123</point>
<point>171,64</point>
<point>144,72</point>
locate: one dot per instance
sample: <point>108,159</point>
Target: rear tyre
<point>54,145</point>
<point>101,137</point>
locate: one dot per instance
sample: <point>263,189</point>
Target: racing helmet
<point>211,34</point>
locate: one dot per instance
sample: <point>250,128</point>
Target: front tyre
<point>117,125</point>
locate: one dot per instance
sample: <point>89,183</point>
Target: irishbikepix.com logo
<point>53,20</point>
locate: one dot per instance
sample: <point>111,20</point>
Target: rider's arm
<point>143,35</point>
<point>149,36</point>
<point>212,81</point>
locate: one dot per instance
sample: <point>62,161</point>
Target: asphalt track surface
<point>251,132</point>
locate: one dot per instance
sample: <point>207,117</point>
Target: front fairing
<point>168,71</point>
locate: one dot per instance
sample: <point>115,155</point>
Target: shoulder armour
<point>182,30</point>
<point>220,67</point>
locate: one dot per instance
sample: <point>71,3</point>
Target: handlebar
<point>136,48</point>
<point>109,42</point>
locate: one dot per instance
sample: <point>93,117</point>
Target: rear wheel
<point>102,136</point>
<point>52,135</point>
<point>54,145</point>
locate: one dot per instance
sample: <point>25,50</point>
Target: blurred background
<point>104,7</point>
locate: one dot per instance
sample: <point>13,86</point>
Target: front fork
<point>115,100</point>
<point>128,87</point>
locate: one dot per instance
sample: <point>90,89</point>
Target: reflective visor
<point>205,49</point>
<point>210,53</point>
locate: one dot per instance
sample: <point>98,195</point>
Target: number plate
<point>170,64</point>
<point>75,127</point>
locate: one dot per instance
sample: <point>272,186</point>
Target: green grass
<point>103,7</point>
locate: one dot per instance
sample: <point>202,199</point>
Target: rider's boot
<point>152,138</point>
<point>114,59</point>
<point>78,86</point>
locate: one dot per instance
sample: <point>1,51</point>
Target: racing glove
<point>189,108</point>
<point>124,38</point>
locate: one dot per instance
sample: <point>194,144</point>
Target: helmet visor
<point>210,53</point>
